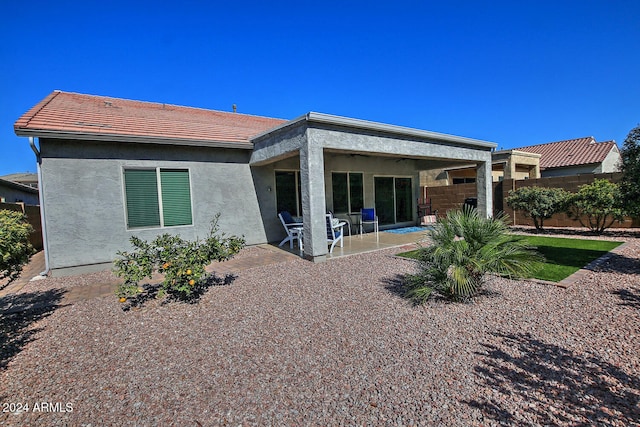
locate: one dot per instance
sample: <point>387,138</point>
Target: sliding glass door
<point>393,199</point>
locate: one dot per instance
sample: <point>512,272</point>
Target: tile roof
<point>21,177</point>
<point>88,115</point>
<point>572,152</point>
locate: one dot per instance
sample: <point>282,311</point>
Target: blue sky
<point>515,73</point>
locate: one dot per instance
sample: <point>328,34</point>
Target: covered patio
<point>319,154</point>
<point>355,244</point>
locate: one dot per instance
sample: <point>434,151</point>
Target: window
<point>157,197</point>
<point>348,192</point>
<point>463,180</point>
<point>288,192</point>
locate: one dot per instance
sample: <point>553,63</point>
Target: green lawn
<point>563,256</point>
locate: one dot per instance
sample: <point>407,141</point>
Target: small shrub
<point>465,248</point>
<point>15,248</point>
<point>182,262</point>
<point>597,205</point>
<point>539,203</point>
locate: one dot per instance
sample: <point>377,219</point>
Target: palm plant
<point>465,248</point>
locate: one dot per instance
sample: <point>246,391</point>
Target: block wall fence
<point>449,197</point>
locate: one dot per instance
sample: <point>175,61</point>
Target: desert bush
<point>15,248</point>
<point>465,248</point>
<point>182,262</point>
<point>597,205</point>
<point>539,203</point>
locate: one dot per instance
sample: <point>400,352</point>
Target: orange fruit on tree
<point>188,271</point>
<point>192,282</point>
<point>123,299</point>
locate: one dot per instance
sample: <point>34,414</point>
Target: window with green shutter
<point>176,197</point>
<point>151,205</point>
<point>141,188</point>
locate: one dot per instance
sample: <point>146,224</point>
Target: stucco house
<point>505,164</point>
<point>576,156</point>
<point>25,178</point>
<point>111,168</point>
<point>12,192</point>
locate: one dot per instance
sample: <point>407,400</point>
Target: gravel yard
<point>299,343</point>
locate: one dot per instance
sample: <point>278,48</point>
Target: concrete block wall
<point>569,183</point>
<point>449,197</point>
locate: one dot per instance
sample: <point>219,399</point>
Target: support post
<point>313,200</point>
<point>484,188</point>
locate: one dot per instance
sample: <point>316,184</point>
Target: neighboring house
<point>576,156</point>
<point>12,192</point>
<point>26,178</point>
<point>506,164</point>
<point>113,168</point>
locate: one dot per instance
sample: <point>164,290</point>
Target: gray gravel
<point>334,344</point>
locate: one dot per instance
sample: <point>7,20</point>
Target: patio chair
<point>368,217</point>
<point>293,229</point>
<point>335,233</point>
<point>428,220</point>
<point>345,220</point>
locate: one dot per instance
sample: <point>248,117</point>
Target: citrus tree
<point>15,248</point>
<point>538,203</point>
<point>181,262</point>
<point>465,248</point>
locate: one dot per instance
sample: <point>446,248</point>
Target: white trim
<point>159,190</point>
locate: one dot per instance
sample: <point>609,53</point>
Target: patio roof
<point>378,127</point>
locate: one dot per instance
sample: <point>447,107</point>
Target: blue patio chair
<point>334,232</point>
<point>368,217</point>
<point>293,229</point>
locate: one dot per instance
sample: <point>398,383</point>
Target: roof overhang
<point>313,117</point>
<point>18,186</point>
<point>88,136</point>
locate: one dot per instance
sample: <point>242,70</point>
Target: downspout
<point>42,216</point>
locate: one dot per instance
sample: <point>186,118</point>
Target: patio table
<point>355,218</point>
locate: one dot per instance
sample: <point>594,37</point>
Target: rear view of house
<point>112,168</point>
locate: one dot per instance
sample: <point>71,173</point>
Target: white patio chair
<point>368,217</point>
<point>335,232</point>
<point>293,229</point>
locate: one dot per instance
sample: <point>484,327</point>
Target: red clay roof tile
<point>99,115</point>
<point>572,152</point>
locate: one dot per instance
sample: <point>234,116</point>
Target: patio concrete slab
<point>357,244</point>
